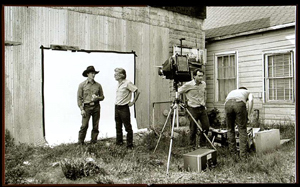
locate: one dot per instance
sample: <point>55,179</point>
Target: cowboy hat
<point>88,70</point>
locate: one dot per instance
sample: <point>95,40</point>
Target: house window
<point>279,73</point>
<point>225,75</point>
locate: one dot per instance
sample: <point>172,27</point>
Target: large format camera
<point>179,67</point>
<point>176,68</point>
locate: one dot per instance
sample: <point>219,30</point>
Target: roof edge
<point>276,27</point>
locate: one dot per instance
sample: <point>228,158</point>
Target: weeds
<point>82,167</point>
<point>106,163</point>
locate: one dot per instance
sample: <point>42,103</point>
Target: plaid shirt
<point>85,91</point>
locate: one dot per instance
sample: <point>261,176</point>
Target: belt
<point>91,104</point>
<point>236,100</point>
<point>122,105</point>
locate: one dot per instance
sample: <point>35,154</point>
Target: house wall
<point>250,51</point>
<point>150,32</point>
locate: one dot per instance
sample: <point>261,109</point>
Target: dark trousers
<point>199,113</point>
<point>236,113</point>
<point>93,111</point>
<point>122,116</point>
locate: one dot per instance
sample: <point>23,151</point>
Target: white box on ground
<point>267,140</point>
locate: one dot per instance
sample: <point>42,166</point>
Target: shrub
<point>77,168</point>
<point>214,118</point>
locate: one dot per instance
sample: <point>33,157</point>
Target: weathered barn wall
<point>150,32</point>
<point>250,69</point>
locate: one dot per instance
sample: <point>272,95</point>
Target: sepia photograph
<point>149,95</point>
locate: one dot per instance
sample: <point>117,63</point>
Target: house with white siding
<point>254,47</point>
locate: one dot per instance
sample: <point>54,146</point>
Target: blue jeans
<point>236,113</point>
<point>122,116</point>
<point>199,113</point>
<point>93,111</point>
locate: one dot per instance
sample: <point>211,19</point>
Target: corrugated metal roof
<point>223,21</point>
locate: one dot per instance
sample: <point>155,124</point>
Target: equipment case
<point>199,159</point>
<point>220,136</point>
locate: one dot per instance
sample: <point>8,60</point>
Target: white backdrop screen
<point>62,76</point>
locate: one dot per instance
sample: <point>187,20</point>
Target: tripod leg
<point>200,128</point>
<point>177,113</point>
<point>163,129</point>
<point>171,141</point>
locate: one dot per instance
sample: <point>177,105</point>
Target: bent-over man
<point>236,114</point>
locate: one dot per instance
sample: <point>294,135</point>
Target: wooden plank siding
<point>150,32</point>
<point>250,51</point>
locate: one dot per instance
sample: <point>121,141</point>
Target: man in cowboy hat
<point>88,96</point>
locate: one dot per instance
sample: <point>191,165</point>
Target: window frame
<point>216,87</point>
<point>267,79</point>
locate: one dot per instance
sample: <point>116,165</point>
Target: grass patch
<point>106,163</point>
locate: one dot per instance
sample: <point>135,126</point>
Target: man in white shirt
<point>196,97</point>
<point>236,114</point>
<point>123,101</point>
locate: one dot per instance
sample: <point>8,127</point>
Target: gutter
<point>250,32</point>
